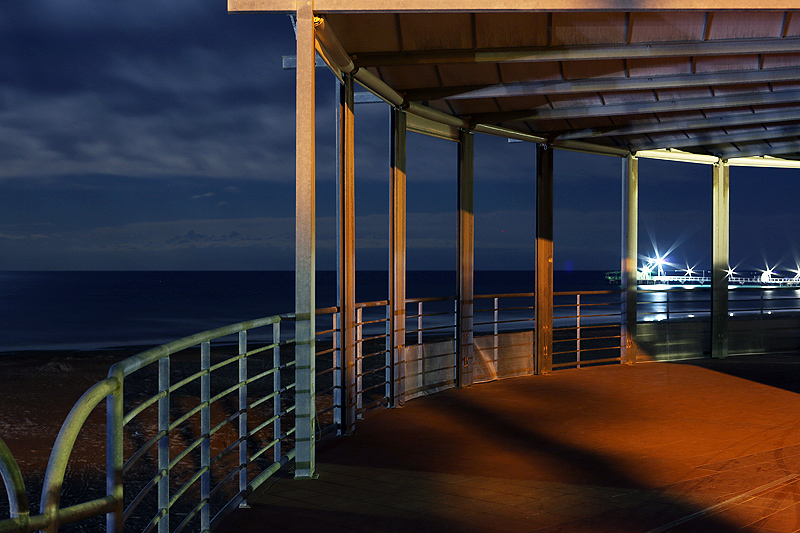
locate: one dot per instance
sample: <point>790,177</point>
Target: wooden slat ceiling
<point>719,83</point>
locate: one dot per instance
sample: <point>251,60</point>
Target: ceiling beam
<point>640,108</point>
<point>776,149</point>
<point>719,138</point>
<point>574,53</point>
<point>365,6</point>
<point>766,117</point>
<point>584,85</point>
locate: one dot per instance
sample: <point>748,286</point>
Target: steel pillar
<point>543,355</point>
<point>630,242</point>
<point>345,413</point>
<point>466,257</point>
<point>305,303</point>
<point>397,261</point>
<point>720,259</point>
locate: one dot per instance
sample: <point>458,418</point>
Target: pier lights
<point>730,272</point>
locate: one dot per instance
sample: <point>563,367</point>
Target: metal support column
<point>466,262</point>
<point>630,242</point>
<point>305,231</point>
<point>346,256</point>
<point>397,260</point>
<point>543,355</point>
<point>720,261</point>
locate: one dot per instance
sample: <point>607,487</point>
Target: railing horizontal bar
<point>322,411</point>
<point>227,391</point>
<point>141,407</point>
<point>265,398</point>
<point>197,508</point>
<point>227,420</point>
<point>367,389</point>
<point>430,299</point>
<point>260,349</point>
<point>325,352</point>
<point>186,451</point>
<point>510,295</point>
<point>588,362</point>
<point>325,391</point>
<point>274,467</point>
<point>371,354</point>
<point>373,338</point>
<point>142,494</point>
<point>326,371</point>
<point>378,321</point>
<point>187,416</point>
<point>325,332</point>
<point>264,424</point>
<point>575,293</point>
<point>175,386</point>
<point>83,510</point>
<point>326,310</point>
<point>260,375</point>
<point>372,371</point>
<point>226,362</point>
<point>267,447</point>
<point>141,451</point>
<point>191,481</point>
<point>379,303</point>
<point>134,363</point>
<point>372,405</point>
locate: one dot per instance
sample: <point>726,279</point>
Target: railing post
<point>359,355</point>
<point>338,383</point>
<point>243,412</point>
<point>496,342</point>
<point>114,453</point>
<point>419,323</point>
<point>163,444</point>
<point>205,430</point>
<point>277,407</point>
<point>578,328</point>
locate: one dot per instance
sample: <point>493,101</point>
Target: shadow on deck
<point>706,447</point>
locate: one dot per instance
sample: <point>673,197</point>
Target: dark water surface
<point>95,310</point>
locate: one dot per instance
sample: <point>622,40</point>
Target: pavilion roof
<point>704,80</point>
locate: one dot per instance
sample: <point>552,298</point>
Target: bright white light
<point>730,272</point>
<point>691,316</point>
<point>730,314</point>
<point>765,276</point>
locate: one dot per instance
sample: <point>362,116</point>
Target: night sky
<point>159,135</point>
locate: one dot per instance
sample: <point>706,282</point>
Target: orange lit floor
<point>652,447</point>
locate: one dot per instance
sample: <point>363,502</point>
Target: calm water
<point>87,310</point>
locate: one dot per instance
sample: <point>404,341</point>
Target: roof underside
<point>717,83</point>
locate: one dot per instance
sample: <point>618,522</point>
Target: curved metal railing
<point>192,433</point>
<point>153,445</point>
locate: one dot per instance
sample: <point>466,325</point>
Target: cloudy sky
<point>159,134</point>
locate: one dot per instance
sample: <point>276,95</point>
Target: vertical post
<point>346,256</point>
<point>578,329</point>
<point>114,456</point>
<point>305,246</point>
<point>163,445</point>
<point>543,356</point>
<point>397,257</point>
<point>720,261</point>
<point>243,412</point>
<point>630,251</point>
<point>466,259</point>
<point>205,430</point>
<point>419,323</point>
<point>496,339</point>
<point>359,354</point>
<point>277,409</point>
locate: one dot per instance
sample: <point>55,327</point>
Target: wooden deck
<point>705,446</point>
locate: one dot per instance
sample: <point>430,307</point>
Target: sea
<point>104,310</point>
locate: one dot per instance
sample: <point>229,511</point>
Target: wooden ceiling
<point>721,83</point>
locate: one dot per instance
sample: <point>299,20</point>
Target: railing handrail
<point>142,359</point>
